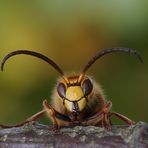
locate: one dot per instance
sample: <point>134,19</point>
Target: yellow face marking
<point>74,93</point>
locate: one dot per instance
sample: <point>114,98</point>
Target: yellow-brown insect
<point>77,99</point>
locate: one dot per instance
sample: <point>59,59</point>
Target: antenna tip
<point>141,59</point>
<point>138,56</point>
<point>2,69</point>
<point>2,66</point>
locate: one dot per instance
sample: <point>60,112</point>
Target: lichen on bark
<point>35,135</point>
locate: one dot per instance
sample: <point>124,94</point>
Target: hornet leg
<point>31,119</point>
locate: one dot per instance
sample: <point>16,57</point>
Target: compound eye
<point>61,90</point>
<point>87,87</point>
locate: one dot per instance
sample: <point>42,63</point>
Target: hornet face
<point>74,94</point>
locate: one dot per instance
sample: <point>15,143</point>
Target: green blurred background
<point>70,33</point>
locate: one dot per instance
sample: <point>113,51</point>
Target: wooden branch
<point>35,135</point>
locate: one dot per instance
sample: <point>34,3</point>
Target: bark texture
<point>35,135</point>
